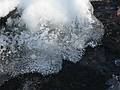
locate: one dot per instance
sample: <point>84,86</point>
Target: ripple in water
<point>45,33</point>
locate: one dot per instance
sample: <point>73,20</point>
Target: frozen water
<point>117,62</point>
<point>47,32</point>
<point>113,83</point>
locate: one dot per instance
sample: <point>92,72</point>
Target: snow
<point>6,6</point>
<point>50,31</point>
<point>56,11</point>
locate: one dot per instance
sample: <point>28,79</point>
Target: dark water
<point>98,70</point>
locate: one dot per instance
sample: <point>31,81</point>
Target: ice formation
<point>46,33</point>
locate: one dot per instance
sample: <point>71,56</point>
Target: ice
<point>113,83</point>
<point>46,33</point>
<point>117,62</point>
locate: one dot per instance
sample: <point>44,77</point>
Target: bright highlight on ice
<point>47,32</point>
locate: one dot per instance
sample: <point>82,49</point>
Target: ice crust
<point>48,32</point>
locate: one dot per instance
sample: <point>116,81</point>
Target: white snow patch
<point>6,6</point>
